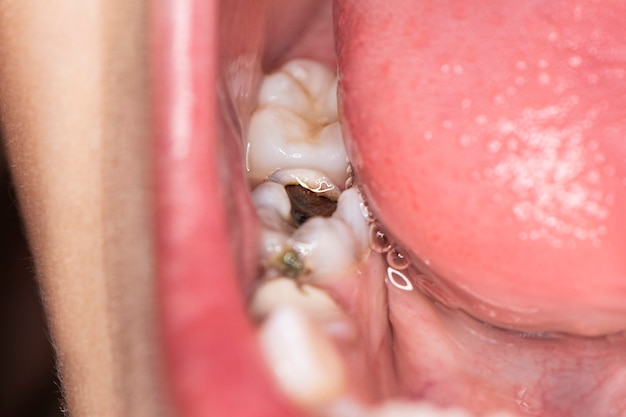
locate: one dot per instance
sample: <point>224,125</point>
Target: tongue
<point>489,140</point>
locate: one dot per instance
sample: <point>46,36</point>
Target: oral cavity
<point>318,240</point>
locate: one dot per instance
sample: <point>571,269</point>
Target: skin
<point>77,157</point>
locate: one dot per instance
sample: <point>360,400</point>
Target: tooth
<point>273,195</point>
<point>283,292</point>
<point>327,247</point>
<point>319,82</point>
<point>350,209</point>
<point>306,365</point>
<point>295,124</point>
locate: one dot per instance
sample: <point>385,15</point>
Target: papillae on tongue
<point>489,140</point>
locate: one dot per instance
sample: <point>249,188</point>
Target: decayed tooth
<point>283,292</point>
<point>273,195</point>
<point>296,124</point>
<point>306,365</point>
<point>307,178</point>
<point>327,247</point>
<point>350,209</point>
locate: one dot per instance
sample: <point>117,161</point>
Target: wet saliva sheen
<point>316,229</point>
<point>319,240</point>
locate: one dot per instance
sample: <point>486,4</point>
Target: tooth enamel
<point>327,246</point>
<point>319,82</point>
<point>283,292</point>
<point>307,178</point>
<point>306,365</point>
<point>271,194</point>
<point>283,90</point>
<point>296,124</point>
<point>349,209</point>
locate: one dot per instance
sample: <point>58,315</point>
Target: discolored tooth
<point>306,365</point>
<point>308,178</point>
<point>351,209</point>
<point>327,247</point>
<point>273,195</point>
<point>284,292</point>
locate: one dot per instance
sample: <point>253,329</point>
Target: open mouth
<point>469,255</point>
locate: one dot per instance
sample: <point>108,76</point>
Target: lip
<point>209,343</point>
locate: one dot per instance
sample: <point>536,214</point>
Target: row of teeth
<point>315,229</point>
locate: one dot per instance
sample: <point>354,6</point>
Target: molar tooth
<point>279,138</point>
<point>283,90</point>
<point>306,364</point>
<point>414,409</point>
<point>273,195</point>
<point>315,78</point>
<point>327,247</point>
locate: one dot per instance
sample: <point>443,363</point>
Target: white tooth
<point>271,194</point>
<point>279,138</point>
<point>327,247</point>
<point>350,210</point>
<point>306,365</point>
<point>316,79</point>
<point>283,292</point>
<point>296,123</point>
<point>309,179</point>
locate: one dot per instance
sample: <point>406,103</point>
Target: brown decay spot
<point>306,204</point>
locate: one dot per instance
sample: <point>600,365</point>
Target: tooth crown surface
<point>296,123</point>
<point>307,366</point>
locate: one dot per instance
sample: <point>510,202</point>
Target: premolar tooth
<point>327,247</point>
<point>271,194</point>
<point>306,365</point>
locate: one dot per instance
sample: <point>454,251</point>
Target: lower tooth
<point>328,248</point>
<point>305,363</point>
<point>271,194</point>
<point>283,292</point>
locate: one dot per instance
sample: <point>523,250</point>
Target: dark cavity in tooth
<point>306,204</point>
<point>291,265</point>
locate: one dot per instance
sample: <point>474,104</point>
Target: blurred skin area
<point>74,122</point>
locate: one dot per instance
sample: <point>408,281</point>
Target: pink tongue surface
<point>490,140</point>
